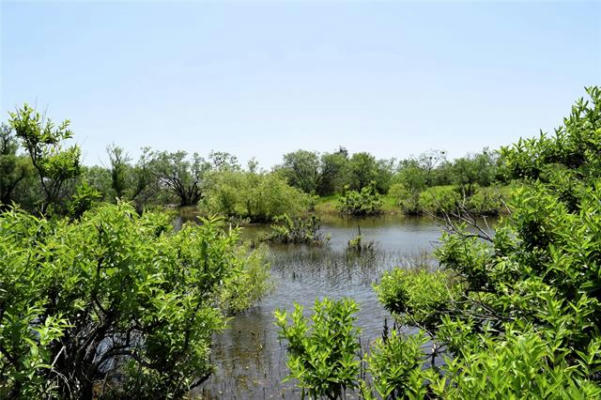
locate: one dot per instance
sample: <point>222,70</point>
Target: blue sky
<point>263,79</point>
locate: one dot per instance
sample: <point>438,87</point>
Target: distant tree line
<point>41,174</point>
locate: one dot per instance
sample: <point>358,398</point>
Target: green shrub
<point>259,197</point>
<point>489,200</point>
<point>114,296</point>
<point>251,282</point>
<point>365,202</point>
<point>395,364</point>
<point>322,356</point>
<point>417,297</point>
<point>439,200</point>
<point>297,230</point>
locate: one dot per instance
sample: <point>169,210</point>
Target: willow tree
<point>43,140</point>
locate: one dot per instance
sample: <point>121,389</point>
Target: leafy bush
<point>259,197</point>
<point>417,297</point>
<point>246,288</point>
<point>365,202</point>
<point>322,356</point>
<point>113,296</point>
<point>489,200</point>
<point>297,230</point>
<point>439,200</point>
<point>395,365</point>
<point>520,318</point>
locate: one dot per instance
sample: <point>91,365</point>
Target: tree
<point>118,298</point>
<point>42,139</point>
<point>181,176</point>
<point>119,170</point>
<point>13,168</point>
<point>258,196</point>
<point>363,170</point>
<point>301,170</point>
<point>223,161</point>
<point>334,171</point>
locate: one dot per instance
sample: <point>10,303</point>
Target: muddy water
<point>251,361</point>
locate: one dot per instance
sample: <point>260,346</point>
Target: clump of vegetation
<point>360,203</point>
<point>304,229</point>
<point>395,363</point>
<point>55,166</point>
<point>453,199</point>
<point>439,200</point>
<point>250,283</point>
<point>114,296</point>
<point>322,355</point>
<point>258,196</point>
<point>358,246</point>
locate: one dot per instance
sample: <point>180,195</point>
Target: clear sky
<point>263,79</point>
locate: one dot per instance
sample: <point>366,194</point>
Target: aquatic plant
<point>358,245</point>
<point>297,230</point>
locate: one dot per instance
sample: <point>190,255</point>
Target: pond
<point>251,361</point>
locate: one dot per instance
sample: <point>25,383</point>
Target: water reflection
<point>251,362</point>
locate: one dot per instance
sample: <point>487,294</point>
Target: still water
<point>251,361</point>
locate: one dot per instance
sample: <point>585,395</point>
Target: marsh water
<point>251,361</point>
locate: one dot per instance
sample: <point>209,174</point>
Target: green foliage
<point>115,296</point>
<point>83,199</point>
<point>298,230</point>
<point>491,200</point>
<point>439,200</point>
<point>257,196</point>
<point>14,169</point>
<point>357,245</point>
<point>417,297</point>
<point>522,364</point>
<point>42,140</point>
<point>395,364</point>
<point>323,355</point>
<point>181,176</point>
<point>119,170</point>
<point>443,200</point>
<point>519,315</point>
<point>250,284</point>
<point>98,178</point>
<point>334,172</point>
<point>365,171</point>
<point>365,202</point>
<point>302,170</point>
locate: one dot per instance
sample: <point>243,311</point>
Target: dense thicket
<point>517,315</point>
<point>115,304</point>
